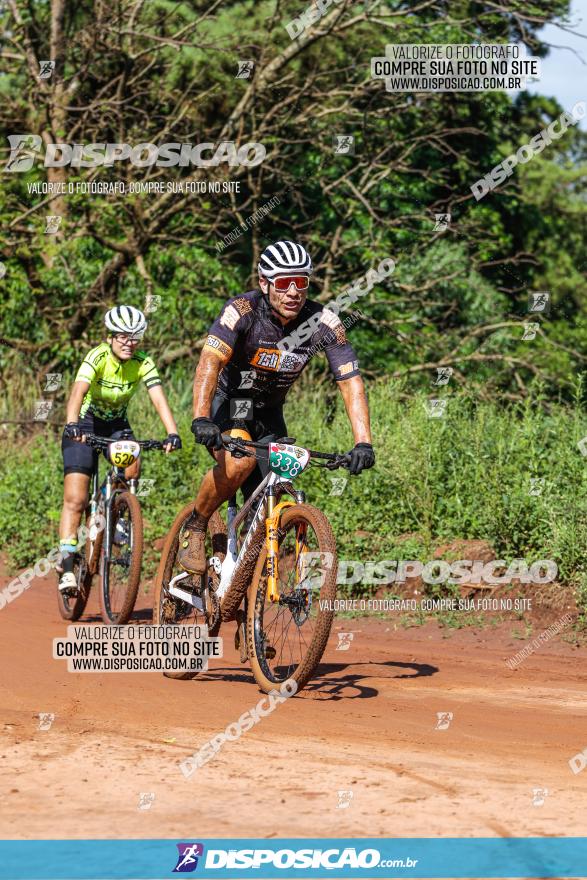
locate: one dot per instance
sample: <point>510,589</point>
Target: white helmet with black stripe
<point>126,319</point>
<point>284,258</point>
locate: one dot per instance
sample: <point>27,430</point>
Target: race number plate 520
<point>122,453</point>
<point>287,461</point>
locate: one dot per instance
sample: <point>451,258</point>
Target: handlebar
<point>329,460</point>
<point>102,443</point>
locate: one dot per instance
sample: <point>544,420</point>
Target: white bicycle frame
<point>233,561</point>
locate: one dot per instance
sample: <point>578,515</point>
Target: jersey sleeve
<point>90,366</point>
<point>148,373</point>
<point>330,336</point>
<point>224,332</point>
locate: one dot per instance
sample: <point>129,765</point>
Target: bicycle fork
<point>274,512</point>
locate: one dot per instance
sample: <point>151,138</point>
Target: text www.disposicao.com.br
<point>136,664</point>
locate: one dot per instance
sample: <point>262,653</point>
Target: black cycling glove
<point>362,457</point>
<point>72,431</point>
<point>174,440</point>
<point>207,433</point>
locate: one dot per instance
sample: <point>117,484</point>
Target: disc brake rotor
<point>299,605</point>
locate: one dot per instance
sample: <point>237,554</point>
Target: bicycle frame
<point>269,489</point>
<point>113,474</point>
<point>234,568</point>
<point>234,562</point>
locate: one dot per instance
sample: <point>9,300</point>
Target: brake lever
<point>232,446</point>
<point>341,461</point>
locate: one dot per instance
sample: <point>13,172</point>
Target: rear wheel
<point>72,607</point>
<point>168,609</point>
<point>286,639</point>
<point>121,574</point>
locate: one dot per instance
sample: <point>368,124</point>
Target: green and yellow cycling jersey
<point>113,382</point>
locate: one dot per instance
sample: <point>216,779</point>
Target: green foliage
<point>466,475</point>
<point>415,156</point>
<point>30,499</point>
<point>165,71</point>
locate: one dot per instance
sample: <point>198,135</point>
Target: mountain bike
<point>114,535</point>
<point>276,557</point>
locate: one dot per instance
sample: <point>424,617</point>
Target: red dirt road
<point>366,725</point>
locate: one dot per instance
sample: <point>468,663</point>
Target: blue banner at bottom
<point>527,857</point>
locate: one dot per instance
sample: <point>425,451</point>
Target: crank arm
<point>184,595</point>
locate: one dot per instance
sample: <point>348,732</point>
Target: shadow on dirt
<point>327,688</point>
<point>324,687</point>
<point>143,615</point>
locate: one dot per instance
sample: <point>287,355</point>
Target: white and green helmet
<point>126,319</point>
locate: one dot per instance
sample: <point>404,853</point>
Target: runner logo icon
<point>187,860</point>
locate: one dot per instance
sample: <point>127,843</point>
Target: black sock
<point>67,562</point>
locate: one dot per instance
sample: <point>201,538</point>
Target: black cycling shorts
<point>79,458</point>
<point>266,424</point>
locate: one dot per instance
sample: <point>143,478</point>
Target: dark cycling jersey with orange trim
<point>248,333</point>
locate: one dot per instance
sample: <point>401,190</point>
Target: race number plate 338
<point>123,453</point>
<point>287,461</point>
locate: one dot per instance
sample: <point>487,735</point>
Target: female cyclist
<point>106,381</point>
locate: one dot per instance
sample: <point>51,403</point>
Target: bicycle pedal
<point>270,652</point>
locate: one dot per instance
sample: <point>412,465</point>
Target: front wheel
<point>286,639</point>
<point>121,573</point>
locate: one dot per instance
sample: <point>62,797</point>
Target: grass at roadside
<point>512,476</point>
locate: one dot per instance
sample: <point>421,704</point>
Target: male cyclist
<point>242,360</point>
<point>106,380</point>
